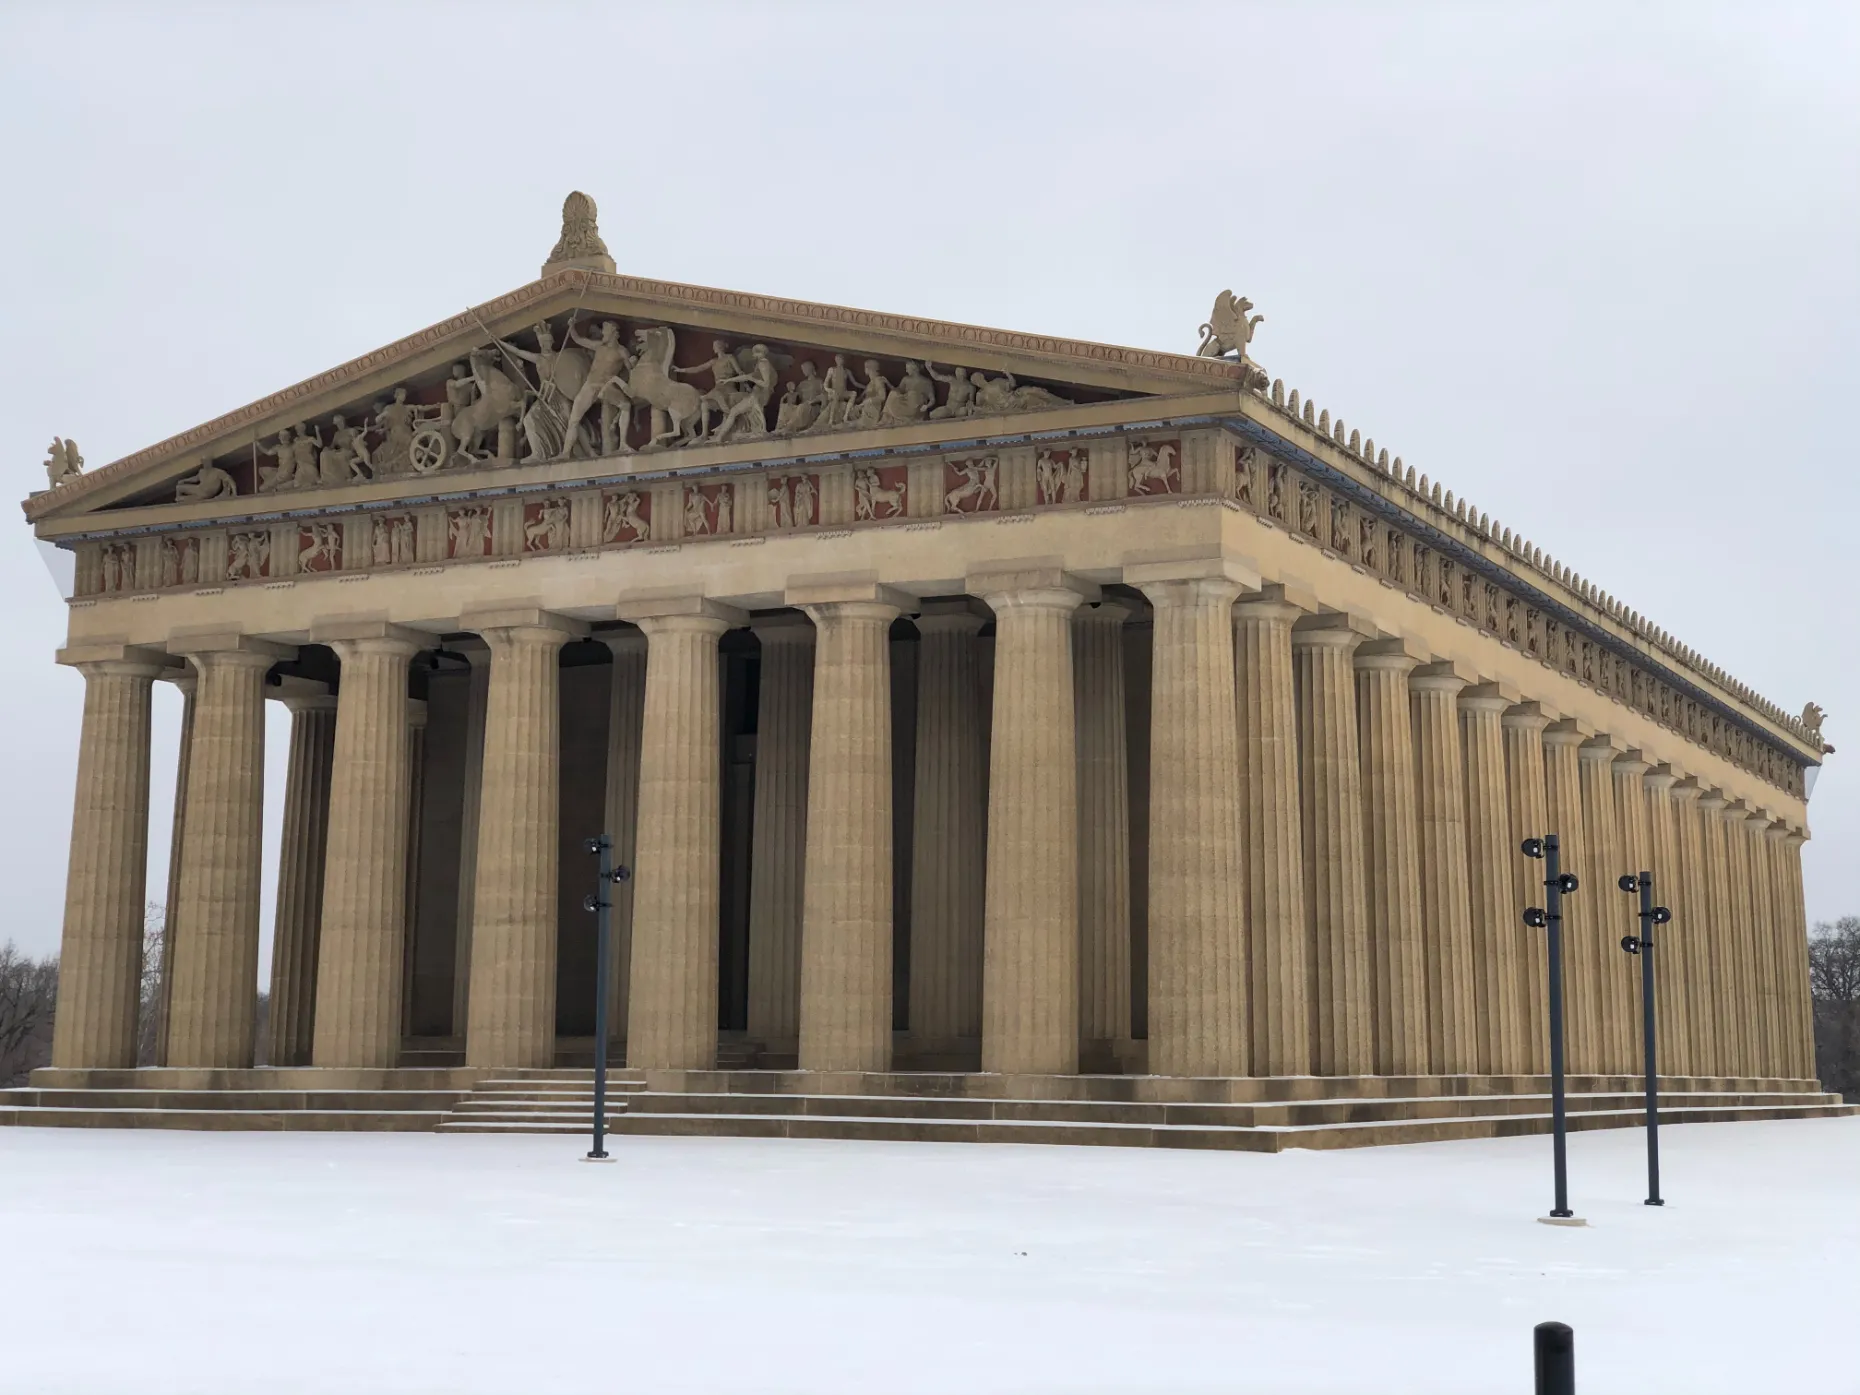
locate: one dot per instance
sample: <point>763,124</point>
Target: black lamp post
<point>1557,885</point>
<point>1642,944</point>
<point>596,901</point>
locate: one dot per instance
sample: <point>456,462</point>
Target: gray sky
<point>1597,268</point>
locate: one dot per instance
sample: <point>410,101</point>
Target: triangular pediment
<point>586,366</point>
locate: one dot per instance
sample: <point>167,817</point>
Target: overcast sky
<point>1597,268</point>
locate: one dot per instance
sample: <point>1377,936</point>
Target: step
<point>259,1120</point>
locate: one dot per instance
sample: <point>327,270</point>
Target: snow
<point>205,1262</point>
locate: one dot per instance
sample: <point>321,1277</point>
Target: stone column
<point>1527,806</point>
<point>514,894</point>
<point>778,859</point>
<point>672,1017</point>
<point>1030,956</point>
<point>1197,933</point>
<point>1606,977</point>
<point>100,960</point>
<point>1497,945</point>
<point>362,947</point>
<point>1801,1025</point>
<point>1564,816</point>
<point>184,679</point>
<point>216,957</point>
<point>1687,954</point>
<point>299,912</point>
<point>1104,829</point>
<point>416,822</point>
<point>1392,856</point>
<point>626,701</point>
<point>1715,927</point>
<point>1633,853</point>
<point>846,896</point>
<point>1271,836</point>
<point>1446,908</point>
<point>1330,787</point>
<point>1769,1035</point>
<point>949,822</point>
<point>477,699</point>
<point>1742,983</point>
<point>1675,1033</point>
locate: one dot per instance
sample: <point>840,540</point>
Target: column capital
<point>231,648</point>
<point>643,608</point>
<point>522,620</point>
<point>1488,697</point>
<point>302,695</point>
<point>961,616</point>
<point>1331,630</point>
<point>1397,655</point>
<point>1444,676</point>
<point>841,588</point>
<point>1107,610</point>
<point>1144,574</point>
<point>1526,716</point>
<point>1564,732</point>
<point>1686,790</point>
<point>128,659</point>
<point>1713,801</point>
<point>631,640</point>
<point>1630,763</point>
<point>1030,585</point>
<point>350,636</point>
<point>1277,601</point>
<point>1661,779</point>
<point>1794,838</point>
<point>1599,749</point>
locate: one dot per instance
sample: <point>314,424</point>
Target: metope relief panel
<point>880,492</point>
<point>972,485</point>
<point>393,540</point>
<point>1062,476</point>
<point>319,548</point>
<point>546,525</point>
<point>794,500</point>
<point>1154,467</point>
<point>248,556</point>
<point>468,532</point>
<point>626,517</point>
<point>709,510</point>
<point>116,568</point>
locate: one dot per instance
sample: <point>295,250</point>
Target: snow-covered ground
<point>202,1262</point>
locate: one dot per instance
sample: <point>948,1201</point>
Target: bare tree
<point>154,952</point>
<point>28,996</point>
<point>1834,979</point>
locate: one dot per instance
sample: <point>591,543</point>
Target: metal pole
<point>1648,1035</point>
<point>1559,1118</point>
<point>602,847</point>
<point>1554,1349</point>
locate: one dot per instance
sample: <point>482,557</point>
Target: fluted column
<point>1564,816</point>
<point>1719,936</point>
<point>1030,928</point>
<point>1670,960</point>
<point>100,960</point>
<point>1743,976</point>
<point>1763,947</point>
<point>1633,852</point>
<point>416,823</point>
<point>1104,825</point>
<point>1497,945</point>
<point>672,1019</point>
<point>1392,853</point>
<point>778,858</point>
<point>1801,1033</point>
<point>1446,910</point>
<point>360,959</point>
<point>471,790</point>
<point>846,897</point>
<point>1271,837</point>
<point>1686,938</point>
<point>515,890</point>
<point>1330,798</point>
<point>1605,975</point>
<point>1528,816</point>
<point>299,912</point>
<point>949,829</point>
<point>1197,933</point>
<point>216,956</point>
<point>626,701</point>
<point>183,678</point>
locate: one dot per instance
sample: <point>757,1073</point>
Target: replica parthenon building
<point>965,700</point>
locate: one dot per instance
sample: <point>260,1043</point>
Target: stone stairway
<point>411,1101</point>
<point>538,1101</point>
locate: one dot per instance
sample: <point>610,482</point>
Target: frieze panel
<point>468,531</point>
<point>972,485</point>
<point>248,556</point>
<point>319,548</point>
<point>794,501</point>
<point>1062,476</point>
<point>626,517</point>
<point>880,492</point>
<point>1154,467</point>
<point>709,510</point>
<point>393,540</point>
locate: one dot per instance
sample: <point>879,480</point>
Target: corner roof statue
<point>62,461</point>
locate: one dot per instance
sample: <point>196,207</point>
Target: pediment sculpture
<point>595,387</point>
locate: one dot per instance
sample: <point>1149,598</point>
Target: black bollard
<point>1555,1351</point>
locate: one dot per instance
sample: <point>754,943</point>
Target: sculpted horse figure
<point>675,405</point>
<point>1151,464</point>
<point>497,407</point>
